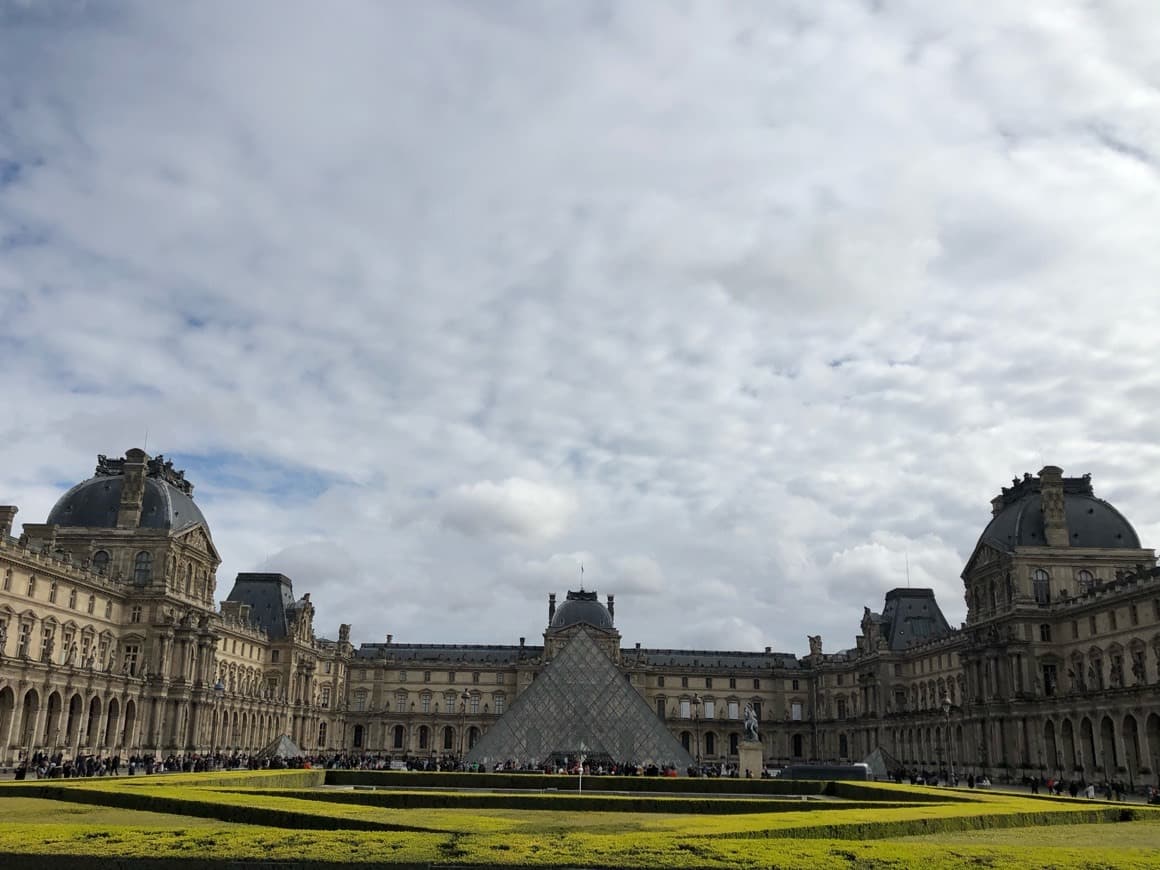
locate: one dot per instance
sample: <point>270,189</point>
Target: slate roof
<point>582,607</point>
<point>911,616</point>
<point>94,503</point>
<point>716,659</point>
<point>270,596</point>
<point>477,654</point>
<point>1091,521</point>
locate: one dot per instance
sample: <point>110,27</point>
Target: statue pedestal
<point>750,758</point>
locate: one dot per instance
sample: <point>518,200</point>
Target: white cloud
<point>737,306</point>
<point>514,506</point>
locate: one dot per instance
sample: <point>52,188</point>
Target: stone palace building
<point>113,640</point>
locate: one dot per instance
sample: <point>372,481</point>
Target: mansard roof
<point>270,597</point>
<point>447,653</point>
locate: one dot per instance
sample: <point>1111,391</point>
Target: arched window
<point>1041,586</point>
<point>423,736</point>
<point>398,736</point>
<point>843,746</point>
<point>448,738</point>
<point>797,746</point>
<point>321,733</point>
<point>733,744</point>
<point>101,561</point>
<point>358,736</point>
<point>1084,580</point>
<point>710,743</point>
<point>143,568</point>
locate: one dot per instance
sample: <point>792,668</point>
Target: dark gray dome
<point>165,503</point>
<point>1091,522</point>
<point>582,607</point>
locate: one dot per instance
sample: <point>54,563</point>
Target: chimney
<point>1051,497</point>
<point>551,607</point>
<point>132,489</point>
<point>521,643</point>
<point>612,607</point>
<point>768,650</point>
<point>390,637</point>
<point>7,517</point>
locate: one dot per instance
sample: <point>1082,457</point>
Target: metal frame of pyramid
<point>580,704</point>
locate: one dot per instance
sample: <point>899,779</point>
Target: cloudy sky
<point>740,305</point>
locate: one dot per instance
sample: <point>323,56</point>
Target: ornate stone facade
<point>111,642</point>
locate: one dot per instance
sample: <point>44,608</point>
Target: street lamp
<point>697,728</point>
<point>947,706</point>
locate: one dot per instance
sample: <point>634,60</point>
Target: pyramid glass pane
<point>580,704</point>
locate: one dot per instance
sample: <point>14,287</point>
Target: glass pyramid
<point>580,704</point>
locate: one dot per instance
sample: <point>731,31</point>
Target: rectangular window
<point>660,682</point>
<point>795,711</point>
<point>451,676</point>
<point>710,709</point>
<point>426,676</point>
<point>897,670</point>
<point>708,682</point>
<point>360,701</point>
<point>425,703</point>
<point>72,599</point>
<point>46,643</point>
<point>324,698</point>
<point>795,684</point>
<point>7,579</point>
<point>660,708</point>
<point>757,710</point>
<point>109,609</point>
<point>1092,626</point>
<point>733,682</point>
<point>103,651</point>
<point>475,705</point>
<point>1045,632</point>
<point>840,708</point>
<point>500,700</point>
<point>1112,620</point>
<point>1133,615</point>
<point>326,666</point>
<point>31,587</point>
<point>756,685</point>
<point>840,676</point>
<point>275,655</point>
<point>132,652</point>
<point>1075,629</point>
<point>734,712</point>
<point>402,676</point>
<point>135,613</point>
<point>684,682</point>
<point>475,677</point>
<point>499,677</point>
<point>686,709</point>
<point>22,648</point>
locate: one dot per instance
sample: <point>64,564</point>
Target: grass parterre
<point>306,819</point>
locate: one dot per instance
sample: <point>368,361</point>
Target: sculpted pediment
<point>200,541</point>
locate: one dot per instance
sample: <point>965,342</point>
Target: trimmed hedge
<point>595,803</point>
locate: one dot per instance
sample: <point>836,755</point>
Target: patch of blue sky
<point>234,471</point>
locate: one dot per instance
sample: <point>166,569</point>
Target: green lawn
<point>35,811</point>
<point>106,820</point>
